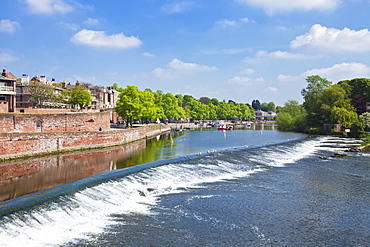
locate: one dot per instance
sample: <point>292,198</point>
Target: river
<point>206,188</point>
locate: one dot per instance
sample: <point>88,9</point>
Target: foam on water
<point>276,156</point>
<point>86,213</point>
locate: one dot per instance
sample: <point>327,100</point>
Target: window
<point>3,98</point>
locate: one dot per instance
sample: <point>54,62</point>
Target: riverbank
<point>24,145</point>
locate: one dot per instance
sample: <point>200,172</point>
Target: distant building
<point>262,114</point>
<point>7,92</point>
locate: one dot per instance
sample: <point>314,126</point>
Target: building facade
<point>7,92</point>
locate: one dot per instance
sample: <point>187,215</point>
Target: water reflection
<point>19,178</point>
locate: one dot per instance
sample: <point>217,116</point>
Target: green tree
<point>358,91</point>
<point>271,106</point>
<point>292,117</point>
<point>366,118</point>
<point>343,116</point>
<point>172,107</point>
<point>215,101</point>
<point>129,104</point>
<point>244,111</point>
<point>78,96</point>
<point>40,93</point>
<point>316,85</point>
<point>149,109</point>
<point>256,104</point>
<point>205,100</point>
<point>264,106</point>
<point>196,109</point>
<point>312,103</point>
<point>212,111</point>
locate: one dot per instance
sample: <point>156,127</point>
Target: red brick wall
<point>4,106</point>
<point>92,121</point>
<point>18,145</point>
<point>46,172</point>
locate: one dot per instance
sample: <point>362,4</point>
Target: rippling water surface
<point>268,189</point>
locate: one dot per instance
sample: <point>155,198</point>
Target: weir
<point>29,201</point>
<point>120,200</point>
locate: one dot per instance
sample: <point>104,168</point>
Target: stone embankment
<point>18,145</point>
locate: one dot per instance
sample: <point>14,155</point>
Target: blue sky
<point>226,49</point>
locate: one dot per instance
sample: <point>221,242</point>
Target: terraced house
<point>7,92</point>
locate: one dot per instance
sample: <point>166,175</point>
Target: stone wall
<point>18,145</point>
<point>76,121</point>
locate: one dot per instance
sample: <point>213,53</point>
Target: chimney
<point>4,72</point>
<point>77,83</point>
<point>64,85</point>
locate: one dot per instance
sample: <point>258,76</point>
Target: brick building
<point>7,92</point>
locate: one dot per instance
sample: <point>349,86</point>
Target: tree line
<point>43,93</point>
<point>148,105</point>
<point>327,103</point>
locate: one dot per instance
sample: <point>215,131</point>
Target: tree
<point>129,104</point>
<point>292,117</point>
<point>244,111</point>
<point>343,116</point>
<point>256,104</point>
<point>40,93</point>
<point>264,106</point>
<point>316,85</point>
<point>172,106</point>
<point>358,90</point>
<point>149,109</point>
<point>312,103</point>
<point>205,100</point>
<point>78,96</point>
<point>215,101</point>
<point>366,118</point>
<point>271,106</point>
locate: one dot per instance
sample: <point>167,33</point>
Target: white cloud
<point>331,39</point>
<point>262,55</point>
<point>48,6</point>
<point>335,73</point>
<point>165,73</point>
<point>100,39</point>
<point>241,80</point>
<point>283,55</point>
<point>230,23</point>
<point>9,26</point>
<point>69,26</point>
<point>271,89</point>
<point>341,71</point>
<point>226,23</point>
<point>287,78</point>
<point>227,51</point>
<point>173,8</point>
<point>281,6</point>
<point>147,54</point>
<point>6,57</point>
<point>247,20</point>
<point>247,71</point>
<point>177,64</point>
<point>247,81</point>
<point>178,68</point>
<point>91,21</point>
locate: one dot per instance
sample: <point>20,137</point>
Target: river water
<point>207,188</point>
